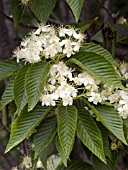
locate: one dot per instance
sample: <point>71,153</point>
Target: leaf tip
<point>7,150</point>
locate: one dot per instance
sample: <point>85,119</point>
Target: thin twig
<point>27,26</point>
<point>109,13</point>
<point>100,28</point>
<point>98,9</point>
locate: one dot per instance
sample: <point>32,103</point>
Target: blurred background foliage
<point>108,26</point>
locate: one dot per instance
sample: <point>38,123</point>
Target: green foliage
<point>42,9</point>
<point>61,151</point>
<point>122,31</point>
<point>112,120</point>
<point>34,82</point>
<point>89,133</point>
<point>111,163</point>
<point>17,11</point>
<point>82,25</point>
<point>67,121</point>
<point>19,88</point>
<point>8,95</point>
<point>44,134</point>
<point>97,66</point>
<point>44,156</point>
<point>97,49</point>
<point>64,125</point>
<point>75,6</point>
<point>7,68</point>
<point>125,123</point>
<point>76,165</point>
<point>25,123</point>
<point>105,135</point>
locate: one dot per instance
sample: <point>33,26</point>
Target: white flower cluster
<point>118,98</point>
<point>64,84</point>
<point>49,42</point>
<point>59,86</point>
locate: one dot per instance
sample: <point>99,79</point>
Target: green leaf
<point>111,163</point>
<point>61,151</point>
<point>44,155</point>
<point>67,122</point>
<point>42,9</point>
<point>17,11</point>
<point>82,25</point>
<point>122,31</point>
<point>89,133</point>
<point>35,81</point>
<point>44,134</point>
<point>7,68</point>
<point>12,109</point>
<point>33,160</point>
<point>110,118</point>
<point>76,6</point>
<point>126,129</point>
<point>7,96</point>
<point>97,49</point>
<point>98,67</point>
<point>19,88</point>
<point>104,133</point>
<point>53,162</point>
<point>76,165</point>
<point>25,123</point>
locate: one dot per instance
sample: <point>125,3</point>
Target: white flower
<point>114,97</point>
<point>123,111</point>
<point>50,51</point>
<point>50,87</point>
<point>39,164</point>
<point>95,97</point>
<point>64,31</point>
<point>126,76</point>
<point>53,39</point>
<point>57,46</point>
<point>25,1</point>
<point>123,94</point>
<point>14,168</point>
<point>78,81</point>
<point>25,42</point>
<point>67,100</point>
<point>68,51</point>
<point>47,100</point>
<point>27,162</point>
<point>76,46</point>
<point>123,68</point>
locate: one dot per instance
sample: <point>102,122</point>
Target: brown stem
<point>107,12</point>
<point>27,26</point>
